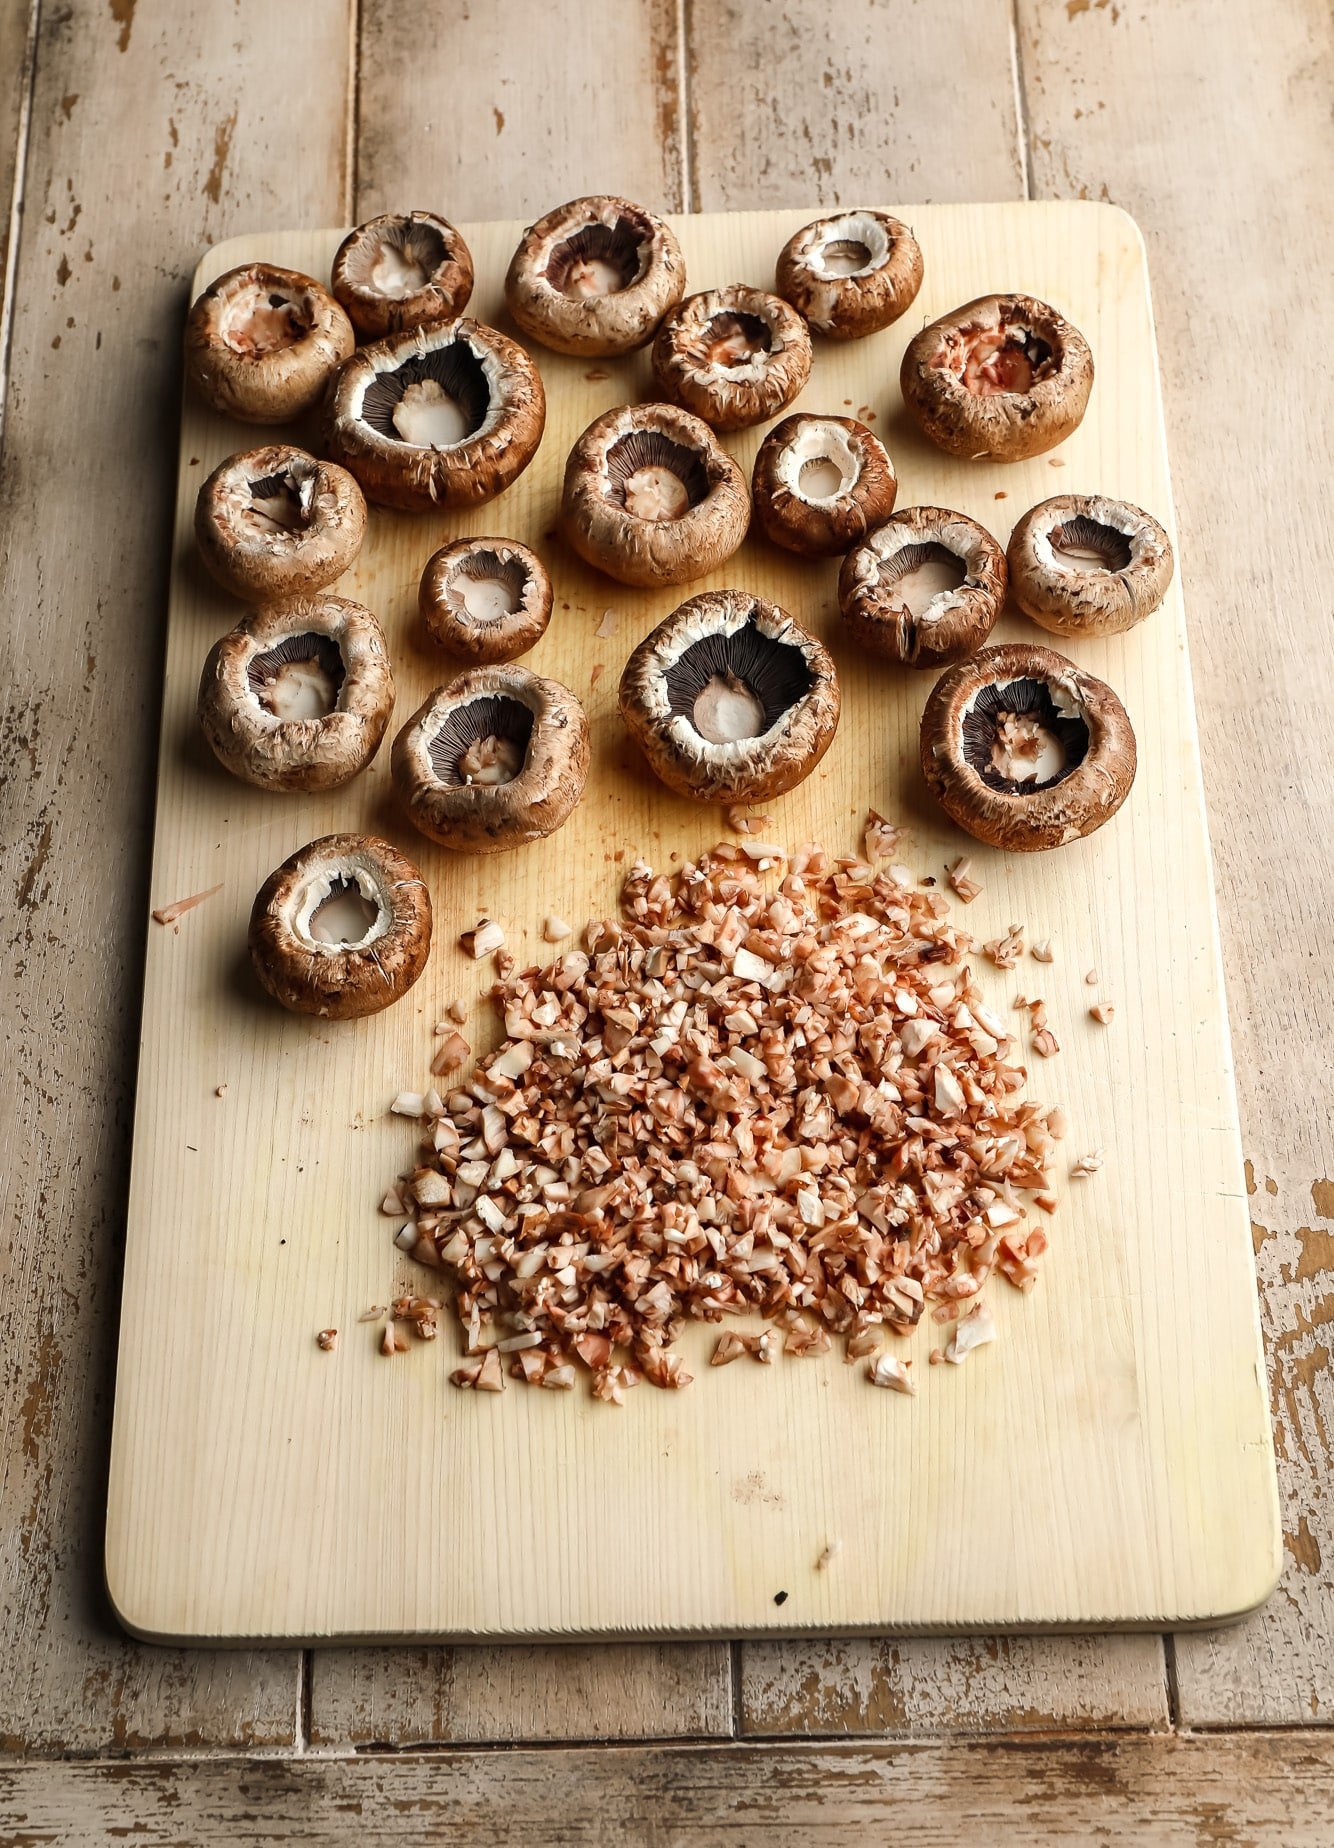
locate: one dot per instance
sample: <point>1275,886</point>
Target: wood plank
<point>893,100</point>
<point>17,39</point>
<point>1122,100</point>
<point>1269,1790</point>
<point>146,139</point>
<point>510,108</point>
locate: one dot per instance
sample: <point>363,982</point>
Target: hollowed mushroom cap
<point>497,758</point>
<point>1003,377</point>
<point>261,343</point>
<point>298,696</point>
<point>1025,751</point>
<point>402,270</point>
<point>651,497</point>
<point>925,589</point>
<point>821,484</point>
<point>851,274</point>
<point>733,356</point>
<point>730,700</point>
<point>485,600</point>
<point>1081,564</point>
<point>274,523</point>
<point>342,928</point>
<point>595,276</point>
<point>443,416</point>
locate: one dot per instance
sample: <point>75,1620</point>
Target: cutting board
<point>1106,1462</point>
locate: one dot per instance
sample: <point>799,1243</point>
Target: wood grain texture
<point>888,100</point>
<point>202,143</point>
<point>16,37</point>
<point>1266,1791</point>
<point>1122,99</point>
<point>1088,1439</point>
<point>501,109</point>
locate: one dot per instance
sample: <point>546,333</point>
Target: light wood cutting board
<point>1107,1462</point>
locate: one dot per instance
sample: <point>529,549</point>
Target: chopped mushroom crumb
<point>959,875</point>
<point>607,625</point>
<point>1042,952</point>
<point>829,1555</point>
<point>389,1342</point>
<point>887,1370</point>
<point>454,1052</point>
<point>220,1091</point>
<point>1103,1013</point>
<point>1087,1164</point>
<point>485,936</point>
<point>975,1330</point>
<point>1045,1043</point>
<point>1005,951</point>
<point>1092,978</point>
<point>556,930</point>
<point>327,1339</point>
<point>168,914</point>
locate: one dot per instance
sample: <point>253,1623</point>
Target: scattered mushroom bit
<point>327,1339</point>
<point>959,875</point>
<point>791,1102</point>
<point>1103,1013</point>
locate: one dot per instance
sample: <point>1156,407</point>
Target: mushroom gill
<point>732,340</point>
<point>283,502</point>
<point>736,686</point>
<point>1087,544</point>
<point>653,477</point>
<point>484,741</point>
<point>300,677</point>
<point>1019,741</point>
<point>599,259</point>
<point>432,401</point>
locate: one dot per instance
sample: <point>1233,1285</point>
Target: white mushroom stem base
<point>655,493</point>
<point>485,599</point>
<point>1025,751</point>
<point>592,277</point>
<point>726,711</point>
<point>299,690</point>
<point>257,321</point>
<point>920,587</point>
<point>491,760</point>
<point>395,274</point>
<point>428,418</point>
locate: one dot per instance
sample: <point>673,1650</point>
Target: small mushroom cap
<point>1003,377</point>
<point>851,274</point>
<point>485,600</point>
<point>1080,721</point>
<point>441,416</point>
<point>821,483</point>
<point>322,660</point>
<point>274,523</point>
<point>733,356</point>
<point>964,567</point>
<point>341,980</point>
<point>261,343</point>
<point>604,530</point>
<point>402,270</point>
<point>1082,564</point>
<point>739,652</point>
<point>595,276</point>
<point>530,741</point>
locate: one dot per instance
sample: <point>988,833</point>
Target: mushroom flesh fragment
<point>651,497</point>
<point>342,929</point>
<point>1003,377</point>
<point>1083,564</point>
<point>851,274</point>
<point>1025,751</point>
<point>821,483</point>
<point>595,276</point>
<point>733,356</point>
<point>497,758</point>
<point>925,589</point>
<point>261,343</point>
<point>402,270</point>
<point>485,600</point>
<point>441,416</point>
<point>731,700</point>
<point>274,523</point>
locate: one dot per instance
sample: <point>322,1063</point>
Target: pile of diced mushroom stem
<point>793,1103</point>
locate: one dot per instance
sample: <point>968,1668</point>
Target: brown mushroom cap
<point>733,356</point>
<point>261,343</point>
<point>274,523</point>
<point>497,758</point>
<point>1003,377</point>
<point>402,270</point>
<point>342,928</point>
<point>925,589</point>
<point>441,416</point>
<point>595,276</point>
<point>730,699</point>
<point>821,483</point>
<point>1025,751</point>
<point>298,696</point>
<point>485,600</point>
<point>1081,564</point>
<point>851,274</point>
<point>651,497</point>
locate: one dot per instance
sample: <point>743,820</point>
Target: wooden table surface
<point>133,133</point>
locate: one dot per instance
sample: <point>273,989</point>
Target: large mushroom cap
<point>274,523</point>
<point>730,699</point>
<point>402,270</point>
<point>925,589</point>
<point>485,600</point>
<point>342,928</point>
<point>442,416</point>
<point>733,356</point>
<point>595,276</point>
<point>821,483</point>
<point>261,343</point>
<point>298,696</point>
<point>497,758</point>
<point>1025,751</point>
<point>1003,377</point>
<point>851,274</point>
<point>1081,564</point>
<point>651,497</point>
